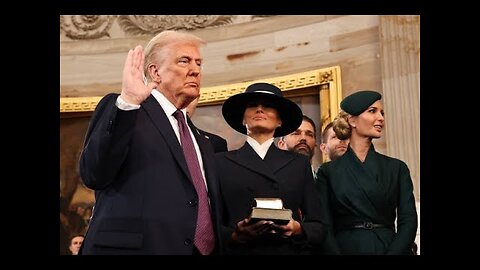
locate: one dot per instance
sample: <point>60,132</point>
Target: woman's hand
<point>292,228</point>
<point>245,231</point>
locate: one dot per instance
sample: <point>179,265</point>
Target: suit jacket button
<point>187,242</point>
<point>192,203</point>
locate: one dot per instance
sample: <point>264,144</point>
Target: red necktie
<point>204,235</point>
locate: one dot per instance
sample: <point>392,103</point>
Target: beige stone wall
<point>244,51</point>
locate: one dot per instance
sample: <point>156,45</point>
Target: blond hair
<point>341,127</point>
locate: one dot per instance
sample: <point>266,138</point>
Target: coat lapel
<point>276,159</point>
<point>374,167</point>
<point>163,125</point>
<point>248,158</point>
<point>365,180</point>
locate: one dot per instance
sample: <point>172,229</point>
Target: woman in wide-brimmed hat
<point>366,191</point>
<point>260,170</point>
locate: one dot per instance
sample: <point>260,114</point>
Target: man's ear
<point>154,73</point>
<point>322,147</point>
<point>281,144</point>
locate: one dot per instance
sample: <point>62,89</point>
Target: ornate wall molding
<point>86,26</point>
<point>89,27</point>
<point>79,104</point>
<point>218,94</point>
<point>134,25</point>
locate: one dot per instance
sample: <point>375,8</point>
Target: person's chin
<point>192,90</point>
<point>191,94</point>
<point>303,152</point>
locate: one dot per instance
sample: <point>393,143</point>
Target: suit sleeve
<point>330,245</point>
<point>219,144</point>
<point>406,215</point>
<point>106,143</point>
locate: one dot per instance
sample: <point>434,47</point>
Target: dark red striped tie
<point>204,235</point>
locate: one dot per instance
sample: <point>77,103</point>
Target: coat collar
<point>274,160</point>
<point>365,178</point>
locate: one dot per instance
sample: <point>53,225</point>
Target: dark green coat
<point>378,191</point>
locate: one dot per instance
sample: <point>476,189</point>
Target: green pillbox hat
<point>358,102</point>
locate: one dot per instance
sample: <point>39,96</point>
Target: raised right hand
<point>134,90</point>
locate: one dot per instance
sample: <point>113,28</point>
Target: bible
<point>270,209</point>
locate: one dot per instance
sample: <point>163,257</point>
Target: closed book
<point>278,216</point>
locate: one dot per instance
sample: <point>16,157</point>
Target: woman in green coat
<point>363,192</point>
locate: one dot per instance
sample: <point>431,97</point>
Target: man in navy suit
<point>146,202</point>
<point>219,144</point>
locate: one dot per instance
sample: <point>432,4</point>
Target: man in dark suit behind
<point>219,144</point>
<point>146,202</point>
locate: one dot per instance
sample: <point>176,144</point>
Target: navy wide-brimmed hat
<point>358,102</point>
<point>234,107</point>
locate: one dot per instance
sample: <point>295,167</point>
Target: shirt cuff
<point>123,105</point>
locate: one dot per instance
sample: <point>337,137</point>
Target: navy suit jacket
<point>145,199</point>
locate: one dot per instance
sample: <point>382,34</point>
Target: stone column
<point>400,63</point>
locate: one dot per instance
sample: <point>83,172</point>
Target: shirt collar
<point>260,149</point>
<point>167,106</point>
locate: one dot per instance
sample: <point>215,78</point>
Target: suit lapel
<point>161,122</point>
<point>248,158</point>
